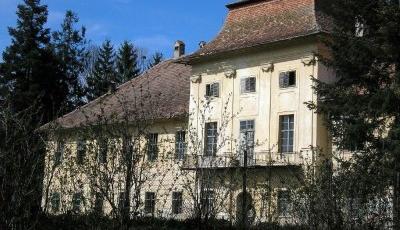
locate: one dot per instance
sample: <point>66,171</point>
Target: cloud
<point>96,29</point>
<point>154,43</point>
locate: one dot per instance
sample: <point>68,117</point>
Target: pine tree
<point>362,106</point>
<point>30,67</point>
<point>34,93</point>
<point>69,44</point>
<point>127,63</point>
<point>155,59</point>
<point>103,77</point>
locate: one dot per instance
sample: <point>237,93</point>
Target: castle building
<point>224,132</point>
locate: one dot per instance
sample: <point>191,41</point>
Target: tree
<point>104,77</point>
<point>155,59</point>
<point>127,62</point>
<point>30,68</point>
<point>361,106</point>
<point>69,44</point>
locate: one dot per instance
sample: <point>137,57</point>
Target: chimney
<point>202,44</point>
<point>179,49</point>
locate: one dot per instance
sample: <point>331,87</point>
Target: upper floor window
<point>150,202</point>
<point>247,137</point>
<point>103,149</point>
<point>212,90</point>
<point>207,201</point>
<point>127,149</point>
<point>59,153</point>
<point>211,139</point>
<point>81,151</point>
<point>284,203</point>
<point>248,85</point>
<point>286,129</point>
<point>180,145</point>
<point>287,79</point>
<point>177,202</point>
<point>152,146</point>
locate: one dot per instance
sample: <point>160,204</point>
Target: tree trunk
<point>396,195</point>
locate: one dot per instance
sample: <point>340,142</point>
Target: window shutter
<point>243,85</point>
<point>208,89</point>
<point>216,89</point>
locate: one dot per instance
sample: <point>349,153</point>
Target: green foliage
<point>69,44</point>
<point>30,67</point>
<point>155,59</point>
<point>127,62</point>
<point>362,106</point>
<point>103,77</point>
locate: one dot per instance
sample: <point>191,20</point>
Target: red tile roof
<point>160,93</point>
<point>252,23</point>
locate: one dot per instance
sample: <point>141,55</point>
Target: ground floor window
<point>284,203</point>
<point>55,201</point>
<point>207,202</point>
<point>177,202</point>
<point>150,202</point>
<point>76,202</point>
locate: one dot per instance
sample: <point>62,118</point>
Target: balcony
<point>259,159</point>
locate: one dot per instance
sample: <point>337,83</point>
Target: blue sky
<point>150,24</point>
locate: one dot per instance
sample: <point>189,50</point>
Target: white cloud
<point>157,42</point>
<point>96,29</point>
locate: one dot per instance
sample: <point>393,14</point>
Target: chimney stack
<point>179,49</point>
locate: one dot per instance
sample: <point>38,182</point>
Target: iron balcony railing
<point>258,159</point>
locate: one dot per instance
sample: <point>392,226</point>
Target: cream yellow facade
<point>270,170</point>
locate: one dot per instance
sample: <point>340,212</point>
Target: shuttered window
<point>212,90</point>
<point>287,79</point>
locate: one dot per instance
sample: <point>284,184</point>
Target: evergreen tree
<point>30,68</point>
<point>127,63</point>
<point>155,59</point>
<point>103,77</point>
<point>69,44</point>
<point>362,106</point>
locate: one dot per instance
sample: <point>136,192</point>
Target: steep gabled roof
<point>160,93</point>
<point>251,23</point>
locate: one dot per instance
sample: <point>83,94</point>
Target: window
<point>81,151</point>
<point>103,149</point>
<point>150,202</point>
<point>248,85</point>
<point>127,149</point>
<point>180,145</point>
<point>177,202</point>
<point>287,79</point>
<point>98,203</point>
<point>212,90</point>
<point>76,202</point>
<point>247,137</point>
<point>207,201</point>
<point>284,203</point>
<point>211,138</point>
<point>55,202</point>
<point>152,148</point>
<point>121,201</point>
<point>286,128</point>
<point>59,154</point>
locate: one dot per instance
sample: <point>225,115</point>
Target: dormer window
<point>287,79</point>
<point>212,90</point>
